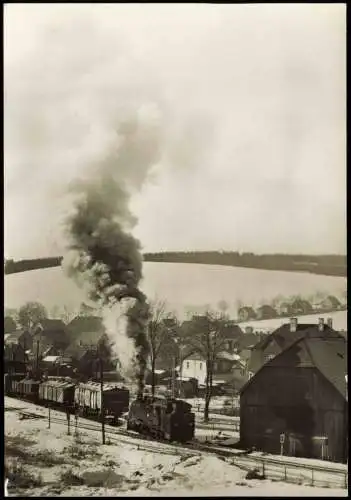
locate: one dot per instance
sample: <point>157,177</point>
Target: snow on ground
<point>47,462</point>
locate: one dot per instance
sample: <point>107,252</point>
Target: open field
<point>47,462</point>
<point>185,287</point>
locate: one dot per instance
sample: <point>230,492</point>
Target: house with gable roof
<point>297,402</point>
<point>281,338</point>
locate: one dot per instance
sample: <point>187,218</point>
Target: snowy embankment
<point>47,462</point>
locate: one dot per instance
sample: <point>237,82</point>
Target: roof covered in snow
<point>228,356</point>
<point>51,359</point>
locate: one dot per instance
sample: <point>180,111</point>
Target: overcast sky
<point>253,106</point>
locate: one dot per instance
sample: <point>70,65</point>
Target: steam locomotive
<point>161,418</point>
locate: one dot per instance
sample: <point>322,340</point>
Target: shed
<point>300,395</point>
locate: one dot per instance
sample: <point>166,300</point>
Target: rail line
<point>282,469</point>
<point>294,472</point>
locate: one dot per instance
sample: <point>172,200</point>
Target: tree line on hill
<point>333,265</point>
<point>329,265</point>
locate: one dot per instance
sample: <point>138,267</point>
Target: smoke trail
<point>103,255</point>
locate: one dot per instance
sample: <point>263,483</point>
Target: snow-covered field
<point>48,462</point>
<point>185,287</point>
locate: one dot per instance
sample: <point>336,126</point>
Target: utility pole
<point>38,356</point>
<point>102,400</point>
<point>96,349</point>
<point>173,377</point>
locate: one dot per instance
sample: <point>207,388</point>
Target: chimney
<point>293,324</point>
<point>330,322</point>
<point>248,330</point>
<point>321,324</point>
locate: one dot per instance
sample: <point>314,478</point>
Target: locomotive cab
<point>161,418</point>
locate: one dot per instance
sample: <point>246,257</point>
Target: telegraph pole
<point>173,377</point>
<point>96,349</point>
<point>102,400</point>
<point>38,356</point>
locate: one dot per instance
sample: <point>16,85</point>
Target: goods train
<point>161,418</point>
<point>65,393</point>
<point>169,419</point>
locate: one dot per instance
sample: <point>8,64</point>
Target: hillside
<point>328,265</point>
<point>186,288</point>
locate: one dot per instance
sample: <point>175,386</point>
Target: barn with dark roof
<point>300,396</point>
<point>281,338</point>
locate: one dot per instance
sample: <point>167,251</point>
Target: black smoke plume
<point>103,255</point>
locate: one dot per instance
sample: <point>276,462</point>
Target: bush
<point>80,451</point>
<point>69,478</point>
<point>76,451</point>
<point>47,458</point>
<point>21,478</point>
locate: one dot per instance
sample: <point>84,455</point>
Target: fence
<point>294,472</point>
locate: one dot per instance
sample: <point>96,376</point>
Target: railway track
<point>283,468</point>
<point>293,472</point>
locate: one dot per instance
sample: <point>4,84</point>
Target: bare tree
<point>31,314</point>
<point>205,335</point>
<point>161,328</point>
<point>223,306</point>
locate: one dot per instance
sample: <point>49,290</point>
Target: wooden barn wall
<point>333,418</point>
<point>298,402</point>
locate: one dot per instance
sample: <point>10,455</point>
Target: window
<point>200,366</point>
<point>188,364</point>
<point>269,357</point>
<point>215,366</point>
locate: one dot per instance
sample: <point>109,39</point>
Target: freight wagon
<point>57,392</point>
<point>82,398</point>
<point>26,388</point>
<point>87,397</point>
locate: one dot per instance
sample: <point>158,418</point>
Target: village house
<point>246,343</point>
<point>266,312</point>
<point>301,307</point>
<point>230,335</point>
<point>50,338</point>
<point>279,340</point>
<point>284,309</point>
<point>330,303</point>
<point>246,313</point>
<point>9,324</point>
<point>15,358</point>
<point>81,359</point>
<point>228,368</point>
<point>85,330</point>
<point>297,402</point>
<point>21,337</point>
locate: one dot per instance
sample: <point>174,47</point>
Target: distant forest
<point>329,265</point>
